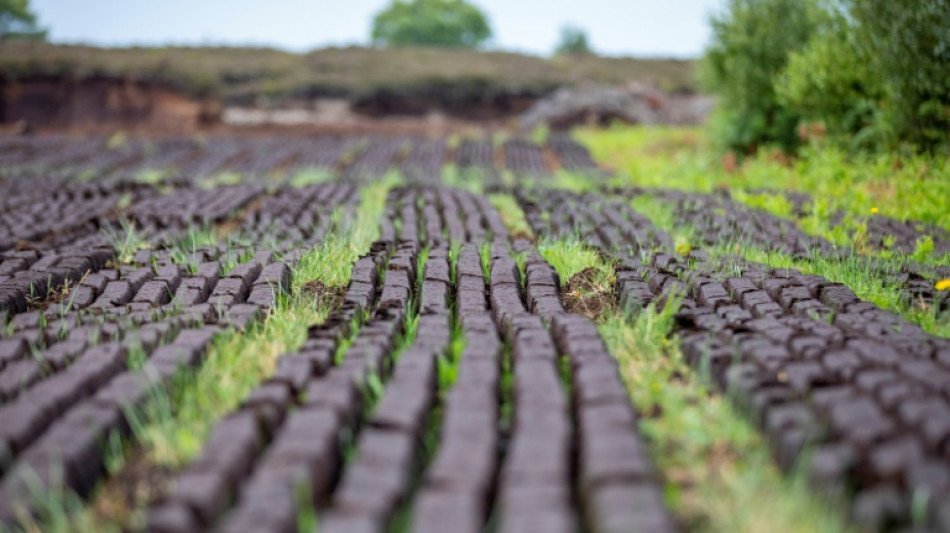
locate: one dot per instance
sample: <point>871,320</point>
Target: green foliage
<point>872,72</point>
<point>918,188</point>
<point>436,23</point>
<point>831,81</point>
<point>876,75</point>
<point>17,20</point>
<point>923,251</point>
<point>573,41</point>
<point>751,42</point>
<point>909,44</point>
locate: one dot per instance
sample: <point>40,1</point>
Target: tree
<point>751,43</point>
<point>438,23</point>
<point>17,20</point>
<point>573,41</point>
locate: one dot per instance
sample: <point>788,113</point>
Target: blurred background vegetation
<point>573,41</point>
<point>18,21</point>
<point>439,23</point>
<point>865,74</point>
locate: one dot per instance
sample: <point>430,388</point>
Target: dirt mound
<point>636,103</point>
<point>316,289</point>
<point>587,295</point>
<point>102,102</point>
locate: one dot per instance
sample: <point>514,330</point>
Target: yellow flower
<point>873,210</point>
<point>683,249</point>
<point>943,284</point>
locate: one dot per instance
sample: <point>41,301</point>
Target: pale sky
<point>674,28</point>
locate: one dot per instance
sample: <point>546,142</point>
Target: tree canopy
<point>437,23</point>
<point>18,20</point>
<point>573,41</point>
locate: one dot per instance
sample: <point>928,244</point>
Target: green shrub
<point>751,43</point>
<point>832,81</point>
<point>876,74</point>
<point>908,44</point>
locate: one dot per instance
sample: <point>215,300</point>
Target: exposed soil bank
<point>51,102</point>
<point>107,102</point>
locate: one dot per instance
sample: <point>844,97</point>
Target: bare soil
<point>585,295</point>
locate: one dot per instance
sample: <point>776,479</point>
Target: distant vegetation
<point>17,21</point>
<point>573,41</point>
<point>869,74</point>
<point>259,74</point>
<point>437,23</point>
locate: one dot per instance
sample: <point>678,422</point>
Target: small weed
<point>126,242</point>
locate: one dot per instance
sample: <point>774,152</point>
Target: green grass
<point>311,176</point>
<point>570,256</point>
<point>126,241</point>
<point>448,365</point>
<point>851,231</point>
<point>181,250</point>
<point>902,187</point>
<point>466,179</point>
<point>663,217</point>
<point>511,215</point>
<point>854,271</point>
<point>680,158</point>
<point>717,471</point>
<point>238,362</point>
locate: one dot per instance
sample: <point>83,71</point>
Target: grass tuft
<point>570,257</point>
<point>512,216</point>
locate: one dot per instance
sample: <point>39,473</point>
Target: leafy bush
<point>438,23</point>
<point>873,72</point>
<point>832,81</point>
<point>908,45</point>
<point>751,43</point>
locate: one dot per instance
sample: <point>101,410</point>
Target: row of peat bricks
<point>534,430</point>
<point>855,397</point>
<point>73,374</point>
<point>180,161</point>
